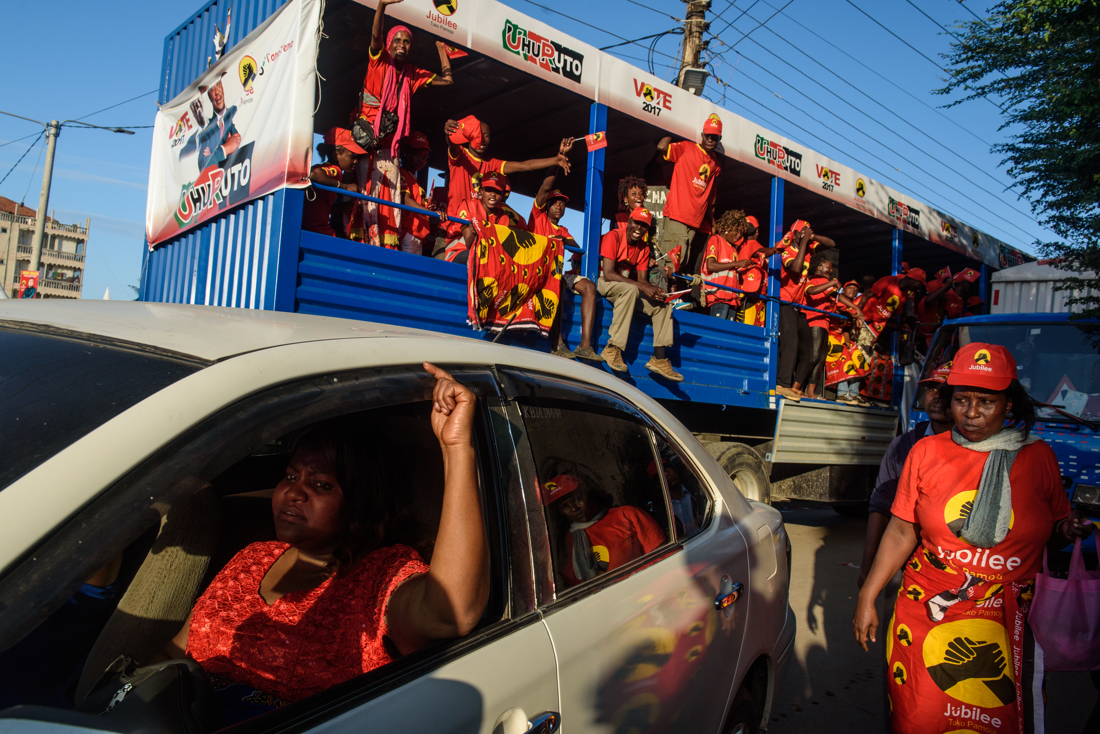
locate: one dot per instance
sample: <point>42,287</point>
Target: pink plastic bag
<point>1065,615</point>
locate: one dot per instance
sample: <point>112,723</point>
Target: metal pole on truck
<point>53,129</point>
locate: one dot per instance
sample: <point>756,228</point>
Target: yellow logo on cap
<point>982,357</point>
<point>713,117</point>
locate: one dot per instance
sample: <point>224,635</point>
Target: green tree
<point>1041,60</point>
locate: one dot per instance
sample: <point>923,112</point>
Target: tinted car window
<point>596,473</point>
<point>54,390</point>
<point>689,501</point>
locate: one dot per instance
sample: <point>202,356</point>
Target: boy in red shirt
<point>341,151</point>
<point>795,338</point>
<point>624,271</point>
<point>546,213</point>
<point>487,208</point>
<point>690,205</point>
<point>754,279</point>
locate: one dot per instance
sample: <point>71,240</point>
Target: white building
<point>64,247</point>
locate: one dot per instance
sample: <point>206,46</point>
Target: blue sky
<point>820,72</point>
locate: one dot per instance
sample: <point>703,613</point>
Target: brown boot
<point>614,358</point>
<point>588,353</point>
<point>663,367</point>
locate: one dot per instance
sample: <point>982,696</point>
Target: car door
<point>641,647</point>
<point>499,678</point>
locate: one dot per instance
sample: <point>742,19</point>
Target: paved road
<point>833,686</point>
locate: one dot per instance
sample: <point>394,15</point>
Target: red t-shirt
<point>790,288</point>
<point>306,641</point>
<point>315,214</point>
<point>723,252</point>
<point>375,79</point>
<point>885,298</point>
<point>623,534</point>
<point>692,191</point>
<point>464,180</point>
<point>937,488</point>
<point>628,258</point>
<point>539,223</point>
<point>826,301</point>
<point>415,224</point>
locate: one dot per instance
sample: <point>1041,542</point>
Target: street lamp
<point>53,129</point>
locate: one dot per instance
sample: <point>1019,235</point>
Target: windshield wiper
<point>1075,418</point>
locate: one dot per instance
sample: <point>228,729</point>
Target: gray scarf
<point>988,521</point>
<point>585,564</point>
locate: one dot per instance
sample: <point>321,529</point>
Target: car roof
<point>203,332</point>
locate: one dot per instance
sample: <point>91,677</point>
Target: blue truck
<point>535,85</point>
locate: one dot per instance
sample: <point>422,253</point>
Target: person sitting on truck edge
<point>754,280</point>
<point>823,293</point>
<point>467,146</point>
<point>485,209</point>
<point>624,266</point>
<point>690,205</point>
<point>340,152</point>
<point>880,304</point>
<point>546,212</point>
<point>721,263</point>
<point>795,341</point>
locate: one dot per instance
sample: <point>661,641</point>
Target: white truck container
<point>1030,288</point>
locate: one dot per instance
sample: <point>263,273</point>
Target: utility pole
<point>52,131</point>
<point>693,77</point>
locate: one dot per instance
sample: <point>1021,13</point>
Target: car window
<point>595,466</point>
<point>690,502</point>
<point>54,390</point>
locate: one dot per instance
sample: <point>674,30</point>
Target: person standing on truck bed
<point>881,303</point>
<point>467,164</point>
<point>721,263</point>
<point>823,292</point>
<point>384,119</point>
<point>975,507</point>
<point>754,279</point>
<point>624,266</point>
<point>690,205</point>
<point>795,340</point>
<point>340,152</point>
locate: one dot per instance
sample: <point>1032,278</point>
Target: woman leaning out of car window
<point>335,597</point>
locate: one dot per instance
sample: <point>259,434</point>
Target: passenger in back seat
<point>335,596</point>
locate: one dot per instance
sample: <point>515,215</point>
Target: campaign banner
<point>28,284</point>
<point>240,131</point>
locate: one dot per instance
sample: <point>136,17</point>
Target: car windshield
<point>1058,364</point>
<point>54,390</point>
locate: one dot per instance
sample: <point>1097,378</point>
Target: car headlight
<point>1086,494</point>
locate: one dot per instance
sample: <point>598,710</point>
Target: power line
<point>886,79</point>
<point>762,24</point>
<point>30,179</point>
<point>28,150</point>
<point>731,22</point>
<point>887,109</point>
<point>857,145</point>
<point>971,12</point>
<point>11,142</point>
<point>146,94</point>
<point>926,15</point>
<point>635,41</point>
<point>655,10</point>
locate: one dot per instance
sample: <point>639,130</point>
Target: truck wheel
<point>745,467</point>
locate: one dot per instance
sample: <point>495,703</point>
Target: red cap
<point>556,194</point>
<point>953,305</point>
<point>713,125</point>
<point>989,366</point>
<point>904,267</point>
<point>975,301</point>
<point>753,221</point>
<point>558,487</point>
<point>850,282</point>
<point>418,140</point>
<point>494,180</point>
<point>918,275</point>
<point>340,136</point>
<point>752,279</point>
<point>469,131</point>
<point>643,215</point>
<point>940,373</point>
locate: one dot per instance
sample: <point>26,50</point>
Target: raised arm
<point>561,160</point>
<point>445,79</point>
<point>378,29</point>
<point>449,599</point>
<point>552,174</point>
<point>794,267</point>
<point>824,241</point>
<point>663,143</point>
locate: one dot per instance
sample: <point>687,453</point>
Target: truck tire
<point>745,467</point>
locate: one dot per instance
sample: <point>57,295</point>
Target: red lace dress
<point>306,641</point>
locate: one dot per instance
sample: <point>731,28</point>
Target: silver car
<point>154,433</point>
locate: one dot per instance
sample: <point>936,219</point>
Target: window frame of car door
<point>47,575</point>
<point>701,477</point>
<point>517,384</point>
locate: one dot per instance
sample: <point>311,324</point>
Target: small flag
<point>969,275</point>
<point>943,274</point>
<point>595,141</point>
<point>455,53</point>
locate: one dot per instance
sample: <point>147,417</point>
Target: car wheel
<point>743,718</point>
<point>745,467</point>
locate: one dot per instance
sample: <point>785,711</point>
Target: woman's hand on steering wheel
<point>452,410</point>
